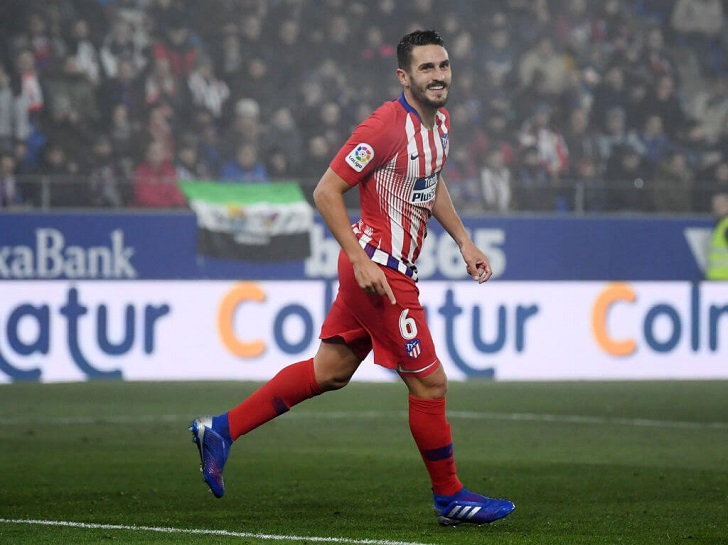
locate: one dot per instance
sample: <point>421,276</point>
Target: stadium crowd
<point>557,105</point>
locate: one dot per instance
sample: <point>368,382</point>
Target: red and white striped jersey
<point>396,162</point>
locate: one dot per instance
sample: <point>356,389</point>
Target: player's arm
<point>329,199</point>
<point>476,262</point>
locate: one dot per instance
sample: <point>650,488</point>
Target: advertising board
<point>164,245</point>
<point>54,331</point>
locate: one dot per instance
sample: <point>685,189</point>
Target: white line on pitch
<point>468,415</point>
<point>197,531</point>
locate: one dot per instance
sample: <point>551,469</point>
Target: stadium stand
<point>592,106</point>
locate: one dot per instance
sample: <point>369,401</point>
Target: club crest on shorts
<point>413,348</point>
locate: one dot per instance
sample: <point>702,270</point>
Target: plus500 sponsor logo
<point>660,327</point>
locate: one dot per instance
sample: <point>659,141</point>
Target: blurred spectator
<point>251,35</point>
<point>257,81</point>
<point>125,135</point>
<point>14,122</point>
<point>699,25</point>
<point>132,14</point>
<point>655,59</point>
<point>635,111</point>
<point>539,132</point>
<point>161,128</point>
<point>663,100</point>
<point>498,56</point>
<point>610,23</point>
<point>284,135</point>
<point>581,140</point>
<point>318,156</point>
<point>673,186</point>
<point>616,134</point>
<point>10,196</point>
<point>187,163</point>
<point>709,108</point>
<point>106,180</point>
<point>162,87</point>
<point>208,140</point>
<point>66,189</point>
<point>119,46</point>
<point>46,48</point>
<point>155,181</point>
<point>245,167</point>
<point>628,180</point>
<point>532,187</point>
<point>290,52</point>
<point>610,93</point>
<point>206,89</point>
<point>573,27</point>
<point>176,46</point>
<point>72,107</point>
<point>228,53</point>
<point>656,12</point>
<point>531,20</point>
<point>122,88</point>
<point>462,181</point>
<point>168,15</point>
<point>590,193</point>
<point>332,124</point>
<point>29,88</point>
<point>245,127</point>
<point>26,161</point>
<point>82,48</point>
<point>278,165</point>
<point>497,135</point>
<point>378,54</point>
<point>544,64</point>
<point>713,179</point>
<point>654,141</point>
<point>495,183</point>
<point>578,93</point>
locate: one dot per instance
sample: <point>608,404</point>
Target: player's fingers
<point>485,275</point>
<point>388,292</point>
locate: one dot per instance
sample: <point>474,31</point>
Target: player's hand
<point>476,263</point>
<point>371,279</point>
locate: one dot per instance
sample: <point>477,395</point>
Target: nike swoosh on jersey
<point>414,156</point>
<point>425,368</point>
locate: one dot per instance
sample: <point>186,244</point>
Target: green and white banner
<point>251,222</point>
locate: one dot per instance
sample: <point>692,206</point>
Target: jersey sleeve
<point>369,146</point>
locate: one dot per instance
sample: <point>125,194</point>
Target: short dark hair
<point>412,40</point>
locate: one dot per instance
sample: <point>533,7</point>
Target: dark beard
<point>420,93</point>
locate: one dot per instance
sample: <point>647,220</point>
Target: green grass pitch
<point>585,463</point>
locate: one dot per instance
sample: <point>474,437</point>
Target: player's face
<point>429,75</point>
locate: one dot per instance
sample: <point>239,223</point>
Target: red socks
<point>431,432</point>
<point>289,387</point>
<point>297,383</point>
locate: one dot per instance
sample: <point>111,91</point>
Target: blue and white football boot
<point>468,507</point>
<point>214,450</point>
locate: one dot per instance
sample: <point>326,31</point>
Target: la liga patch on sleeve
<point>360,156</point>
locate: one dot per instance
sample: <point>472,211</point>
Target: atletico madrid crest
<point>413,348</point>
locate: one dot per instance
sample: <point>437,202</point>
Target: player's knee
<point>436,389</point>
<point>432,386</point>
<point>333,381</point>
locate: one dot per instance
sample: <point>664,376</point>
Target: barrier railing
<point>47,192</point>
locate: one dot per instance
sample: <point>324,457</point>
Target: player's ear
<point>403,77</point>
